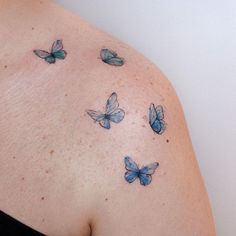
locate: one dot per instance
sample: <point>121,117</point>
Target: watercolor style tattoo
<point>57,52</point>
<point>110,57</point>
<point>133,172</point>
<point>112,113</point>
<point>156,118</point>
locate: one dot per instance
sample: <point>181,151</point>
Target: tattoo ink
<point>110,57</point>
<point>57,52</point>
<point>156,119</point>
<point>112,113</point>
<point>133,172</point>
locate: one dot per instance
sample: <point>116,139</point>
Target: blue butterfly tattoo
<point>110,57</point>
<point>112,113</point>
<point>144,174</point>
<point>57,52</point>
<point>156,119</point>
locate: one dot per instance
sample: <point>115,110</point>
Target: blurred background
<point>194,44</point>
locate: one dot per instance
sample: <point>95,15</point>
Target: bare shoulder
<point>102,133</point>
<point>134,120</point>
<point>169,198</point>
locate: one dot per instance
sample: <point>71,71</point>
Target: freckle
<point>51,152</point>
<point>153,138</point>
<point>90,146</point>
<point>151,83</point>
<point>145,118</point>
<point>167,140</point>
<point>127,112</point>
<point>42,198</point>
<point>44,137</point>
<point>106,199</point>
<point>66,95</point>
<point>46,171</point>
<point>144,126</point>
<point>5,66</point>
<point>32,28</point>
<point>14,157</point>
<point>43,220</point>
<point>163,204</point>
<point>22,178</point>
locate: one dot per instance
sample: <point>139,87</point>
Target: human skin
<point>63,174</point>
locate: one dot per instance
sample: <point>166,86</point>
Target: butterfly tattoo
<point>133,172</point>
<point>57,52</point>
<point>112,113</point>
<point>156,119</point>
<point>110,57</point>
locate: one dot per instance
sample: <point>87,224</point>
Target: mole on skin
<point>51,152</point>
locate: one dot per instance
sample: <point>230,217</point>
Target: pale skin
<point>63,174</point>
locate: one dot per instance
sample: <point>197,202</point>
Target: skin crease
<point>63,174</point>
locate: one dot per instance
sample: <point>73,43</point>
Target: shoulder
<point>89,159</point>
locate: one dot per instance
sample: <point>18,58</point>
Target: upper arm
<point>175,202</point>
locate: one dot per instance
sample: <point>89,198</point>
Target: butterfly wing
<point>130,165</point>
<point>99,117</point>
<point>160,112</point>
<point>48,57</point>
<point>57,46</point>
<point>156,116</point>
<point>96,115</point>
<point>132,170</point>
<point>42,54</point>
<point>112,104</point>
<point>116,61</point>
<point>107,54</point>
<point>105,123</point>
<point>60,54</point>
<point>131,176</point>
<point>57,50</point>
<point>145,179</point>
<point>117,116</point>
<point>146,172</point>
<point>159,126</point>
<point>110,57</point>
<point>152,114</point>
<point>149,169</point>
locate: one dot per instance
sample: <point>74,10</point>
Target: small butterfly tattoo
<point>110,57</point>
<point>156,119</point>
<point>57,52</point>
<point>112,113</point>
<point>133,172</point>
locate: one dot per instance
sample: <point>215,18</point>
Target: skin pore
<point>62,170</point>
